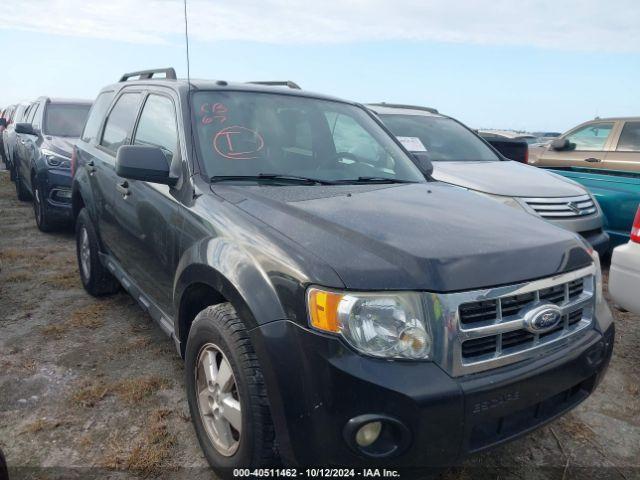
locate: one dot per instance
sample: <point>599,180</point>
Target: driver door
<point>592,142</point>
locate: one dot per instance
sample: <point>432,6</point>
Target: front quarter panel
<point>259,270</point>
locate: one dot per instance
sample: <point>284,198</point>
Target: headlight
<point>387,325</point>
<point>596,261</point>
<point>509,201</point>
<point>55,159</point>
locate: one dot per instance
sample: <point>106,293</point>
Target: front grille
<point>516,339</point>
<point>563,207</point>
<point>486,329</point>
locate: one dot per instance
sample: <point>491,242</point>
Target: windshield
<point>442,138</point>
<point>249,134</point>
<point>65,120</point>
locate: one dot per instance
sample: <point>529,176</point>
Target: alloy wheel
<point>218,400</point>
<point>85,253</point>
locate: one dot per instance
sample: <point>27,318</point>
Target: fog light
<point>368,433</point>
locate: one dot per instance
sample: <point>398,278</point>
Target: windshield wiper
<point>374,180</point>
<point>271,176</point>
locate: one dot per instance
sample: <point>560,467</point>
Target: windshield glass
<point>442,138</point>
<point>249,134</point>
<point>65,119</point>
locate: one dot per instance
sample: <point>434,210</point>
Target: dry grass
<point>56,330</point>
<point>134,345</point>
<point>132,391</point>
<point>89,316</point>
<point>40,425</point>
<point>89,394</point>
<point>30,365</point>
<point>151,451</point>
<point>18,276</point>
<point>64,280</point>
<point>135,390</point>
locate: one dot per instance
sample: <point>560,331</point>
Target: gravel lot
<point>94,389</point>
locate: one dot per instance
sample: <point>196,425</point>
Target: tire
<point>40,212</point>
<point>12,173</point>
<point>21,191</point>
<point>96,279</point>
<point>219,327</point>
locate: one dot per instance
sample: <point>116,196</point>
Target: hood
<point>507,178</point>
<point>61,145</point>
<point>413,236</point>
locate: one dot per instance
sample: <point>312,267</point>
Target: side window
<point>349,137</point>
<point>157,126</point>
<point>96,114</point>
<point>120,122</point>
<point>629,138</point>
<point>591,137</point>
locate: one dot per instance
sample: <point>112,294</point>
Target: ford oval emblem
<point>542,318</point>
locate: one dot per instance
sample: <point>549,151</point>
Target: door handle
<point>123,188</point>
<point>91,166</point>
<point>592,160</point>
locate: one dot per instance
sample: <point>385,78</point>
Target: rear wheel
<point>226,393</point>
<point>96,279</point>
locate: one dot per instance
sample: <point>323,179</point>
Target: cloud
<point>580,25</point>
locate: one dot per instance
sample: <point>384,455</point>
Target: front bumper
<point>316,385</point>
<point>624,276</point>
<point>56,186</point>
<point>599,240</point>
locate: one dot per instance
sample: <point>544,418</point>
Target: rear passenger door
<point>625,153</point>
<point>117,131</point>
<point>592,141</point>
<point>148,214</point>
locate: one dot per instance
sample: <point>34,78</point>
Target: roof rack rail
<point>169,73</point>
<point>277,83</point>
<point>400,105</point>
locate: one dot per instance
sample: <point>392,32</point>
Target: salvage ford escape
<point>333,304</point>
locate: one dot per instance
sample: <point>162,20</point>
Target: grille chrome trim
<point>562,207</point>
<point>452,333</point>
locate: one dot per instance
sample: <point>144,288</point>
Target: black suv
<point>42,157</point>
<point>333,306</point>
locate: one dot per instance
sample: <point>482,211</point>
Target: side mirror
<point>142,162</point>
<point>26,129</point>
<point>421,159</point>
<point>560,144</point>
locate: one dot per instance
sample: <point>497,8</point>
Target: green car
<point>618,193</point>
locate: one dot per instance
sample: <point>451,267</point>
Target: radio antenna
<point>186,38</point>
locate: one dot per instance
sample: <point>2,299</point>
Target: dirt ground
<point>93,389</point>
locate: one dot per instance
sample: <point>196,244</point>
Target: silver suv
<point>462,158</point>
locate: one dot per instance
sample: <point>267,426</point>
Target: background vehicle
<point>43,157</point>
<point>461,158</point>
<point>606,143</point>
<point>10,138</point>
<point>10,114</point>
<point>287,243</point>
<point>624,275</point>
<point>617,192</point>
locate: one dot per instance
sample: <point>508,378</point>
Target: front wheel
<point>43,220</point>
<point>21,192</point>
<point>226,392</point>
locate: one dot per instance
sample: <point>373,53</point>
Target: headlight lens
<point>387,325</point>
<point>56,160</point>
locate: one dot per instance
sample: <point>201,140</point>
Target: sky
<point>527,64</point>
